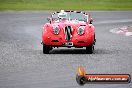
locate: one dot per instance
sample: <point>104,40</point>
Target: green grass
<point>66,4</point>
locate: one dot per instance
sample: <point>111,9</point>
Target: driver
<point>62,15</point>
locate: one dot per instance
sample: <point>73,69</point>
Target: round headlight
<point>56,30</point>
<point>81,30</point>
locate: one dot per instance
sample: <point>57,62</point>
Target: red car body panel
<point>49,38</point>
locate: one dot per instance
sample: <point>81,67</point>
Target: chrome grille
<point>68,32</point>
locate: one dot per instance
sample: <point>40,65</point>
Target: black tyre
<point>94,40</point>
<point>90,49</point>
<point>46,49</point>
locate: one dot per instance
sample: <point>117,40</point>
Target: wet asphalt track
<point>23,65</point>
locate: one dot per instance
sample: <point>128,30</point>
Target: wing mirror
<point>48,19</point>
<point>91,21</point>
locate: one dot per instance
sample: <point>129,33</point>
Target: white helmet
<point>62,15</point>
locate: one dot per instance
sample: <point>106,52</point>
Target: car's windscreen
<point>72,16</point>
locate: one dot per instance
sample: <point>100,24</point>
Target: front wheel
<point>46,49</point>
<point>90,49</point>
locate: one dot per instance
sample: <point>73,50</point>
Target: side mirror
<point>91,21</point>
<point>48,19</point>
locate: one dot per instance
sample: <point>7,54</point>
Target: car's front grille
<point>68,32</point>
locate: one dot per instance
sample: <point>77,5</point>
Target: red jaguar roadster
<point>68,29</point>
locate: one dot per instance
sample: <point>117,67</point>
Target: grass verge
<point>66,4</point>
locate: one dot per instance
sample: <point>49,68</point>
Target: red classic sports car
<point>68,29</point>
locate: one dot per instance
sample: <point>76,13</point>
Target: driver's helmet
<point>62,15</point>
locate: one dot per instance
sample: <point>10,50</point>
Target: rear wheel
<point>46,49</point>
<point>90,49</point>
